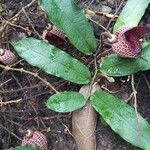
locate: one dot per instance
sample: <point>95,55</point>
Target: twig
<point>28,5</point>
<point>20,89</point>
<point>1,126</point>
<point>126,80</point>
<point>18,26</point>
<point>129,98</point>
<point>9,102</point>
<point>30,73</point>
<point>100,25</point>
<point>5,82</point>
<point>90,4</point>
<point>106,89</point>
<point>115,14</point>
<point>93,79</point>
<point>135,104</point>
<point>38,120</point>
<point>24,11</point>
<point>95,73</point>
<point>5,23</point>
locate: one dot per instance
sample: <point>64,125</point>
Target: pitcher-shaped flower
<point>35,138</point>
<point>125,41</point>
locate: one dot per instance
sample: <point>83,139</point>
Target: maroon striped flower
<point>35,138</point>
<point>7,57</point>
<point>54,36</point>
<point>125,41</point>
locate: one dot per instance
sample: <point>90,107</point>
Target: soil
<point>32,112</point>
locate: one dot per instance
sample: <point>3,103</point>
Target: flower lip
<point>127,43</point>
<point>134,34</point>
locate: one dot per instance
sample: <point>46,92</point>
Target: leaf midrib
<point>73,70</point>
<point>119,117</point>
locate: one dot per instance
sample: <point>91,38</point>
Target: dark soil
<point>32,112</point>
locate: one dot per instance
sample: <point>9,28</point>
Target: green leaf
<point>23,148</point>
<point>122,119</point>
<point>66,101</point>
<point>114,65</point>
<point>70,19</point>
<point>52,60</point>
<point>131,13</point>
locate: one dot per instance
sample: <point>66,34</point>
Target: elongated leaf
<point>52,60</point>
<point>70,19</point>
<point>114,65</point>
<point>23,148</point>
<point>131,13</point>
<point>84,121</point>
<point>122,119</point>
<point>66,101</point>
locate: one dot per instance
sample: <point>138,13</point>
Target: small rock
<point>15,36</point>
<point>106,9</point>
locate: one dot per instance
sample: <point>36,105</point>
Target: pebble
<point>106,9</point>
<point>15,36</point>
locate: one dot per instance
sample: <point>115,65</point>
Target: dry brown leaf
<point>84,122</point>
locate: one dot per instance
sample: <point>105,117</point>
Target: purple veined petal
<point>134,43</point>
<point>137,31</point>
<point>121,31</point>
<point>134,34</point>
<point>127,42</point>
